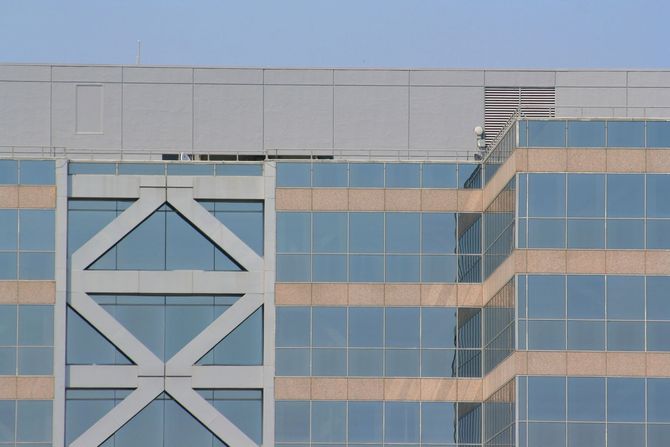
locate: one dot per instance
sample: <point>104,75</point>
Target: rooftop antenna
<point>138,57</point>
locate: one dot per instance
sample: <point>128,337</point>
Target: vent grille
<point>500,103</point>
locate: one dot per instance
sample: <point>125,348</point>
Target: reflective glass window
<point>586,233</point>
<point>402,268</point>
<point>366,232</point>
<point>92,168</point>
<point>293,326</point>
<point>330,175</point>
<point>329,421</point>
<point>36,265</point>
<point>9,172</point>
<point>9,224</point>
<point>37,230</point>
<point>658,435</point>
<point>546,195</point>
<point>292,421</point>
<point>586,296</point>
<point>546,133</point>
<point>7,421</point>
<point>586,335</point>
<point>625,336</point>
<point>658,297</point>
<point>37,172</point>
<point>586,134</point>
<point>293,232</point>
<point>329,326</point>
<point>402,232</point>
<point>365,421</point>
<point>190,169</point>
<point>436,268</point>
<point>36,325</point>
<point>401,422</point>
<point>658,234</point>
<point>469,175</point>
<point>546,335</point>
<point>546,233</point>
<point>586,399</point>
<point>439,175</point>
<point>402,362</point>
<point>438,422</point>
<point>546,296</point>
<point>402,327</point>
<point>625,134</point>
<point>625,195</point>
<point>437,327</point>
<point>438,232</point>
<point>586,195</point>
<point>625,297</point>
<point>366,327</point>
<point>546,398</point>
<point>658,134</point>
<point>294,175</point>
<point>658,400</point>
<point>625,400</point>
<point>625,233</point>
<point>330,232</point>
<point>241,169</point>
<point>329,362</point>
<point>141,168</point>
<point>33,420</point>
<point>366,362</point>
<point>366,175</point>
<point>658,200</point>
<point>366,268</point>
<point>292,361</point>
<point>403,175</point>
<point>546,434</point>
<point>329,268</point>
<point>293,268</point>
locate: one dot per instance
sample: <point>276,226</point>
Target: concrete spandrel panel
<point>157,116</point>
<point>516,78</point>
<point>227,76</point>
<point>75,116</point>
<point>24,114</point>
<point>25,72</point>
<point>298,117</point>
<point>649,97</point>
<point>649,78</point>
<point>299,77</point>
<point>371,117</point>
<point>590,79</point>
<point>158,74</point>
<point>447,77</point>
<point>443,117</point>
<point>371,77</point>
<point>590,97</point>
<point>87,74</point>
<point>228,117</point>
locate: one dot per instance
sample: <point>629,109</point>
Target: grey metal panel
<point>298,117</point>
<point>447,77</point>
<point>600,112</point>
<point>64,118</point>
<point>227,76</point>
<point>158,74</point>
<point>371,117</point>
<point>25,73</point>
<point>444,117</point>
<point>519,78</point>
<point>157,116</point>
<point>371,77</point>
<point>24,113</point>
<point>298,77</point>
<point>649,97</point>
<point>590,78</point>
<point>228,117</point>
<point>590,97</point>
<point>87,74</point>
<point>569,112</point>
<point>657,112</point>
<point>649,78</point>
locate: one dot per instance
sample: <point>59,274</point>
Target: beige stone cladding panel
<point>626,364</point>
<point>439,295</point>
<point>587,363</point>
<point>365,389</point>
<point>439,199</point>
<point>470,390</point>
<point>470,200</point>
<point>625,262</point>
<point>402,294</point>
<point>501,374</point>
<point>9,196</point>
<point>293,294</point>
<point>293,199</point>
<point>402,200</point>
<point>546,261</point>
<point>292,388</point>
<point>550,363</point>
<point>658,364</point>
<point>366,294</point>
<point>37,196</point>
<point>330,200</point>
<point>657,262</point>
<point>585,261</point>
<point>470,295</point>
<point>329,388</point>
<point>623,160</point>
<point>547,160</point>
<point>402,389</point>
<point>8,387</point>
<point>37,292</point>
<point>658,160</point>
<point>34,388</point>
<point>9,292</point>
<point>329,294</point>
<point>439,389</point>
<point>366,199</point>
<point>587,160</point>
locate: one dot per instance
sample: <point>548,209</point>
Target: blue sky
<point>341,33</point>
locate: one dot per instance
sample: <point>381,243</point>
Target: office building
<point>332,257</point>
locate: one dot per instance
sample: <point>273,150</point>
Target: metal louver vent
<point>500,103</point>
